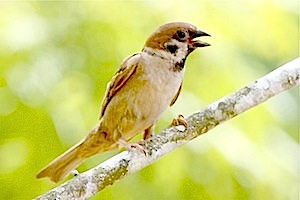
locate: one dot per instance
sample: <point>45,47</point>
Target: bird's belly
<point>147,107</point>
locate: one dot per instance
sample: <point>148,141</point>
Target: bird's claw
<point>179,121</point>
<point>137,146</point>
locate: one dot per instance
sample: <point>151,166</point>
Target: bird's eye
<point>181,35</point>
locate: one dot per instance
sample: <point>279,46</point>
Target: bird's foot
<point>131,146</point>
<point>179,121</point>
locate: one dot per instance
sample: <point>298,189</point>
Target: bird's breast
<point>159,84</point>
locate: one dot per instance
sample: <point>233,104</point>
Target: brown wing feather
<point>118,81</point>
<point>176,96</point>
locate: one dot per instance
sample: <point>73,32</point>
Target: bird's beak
<point>198,43</point>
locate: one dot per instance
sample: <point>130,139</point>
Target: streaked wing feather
<point>118,81</point>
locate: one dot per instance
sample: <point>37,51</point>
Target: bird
<point>144,86</point>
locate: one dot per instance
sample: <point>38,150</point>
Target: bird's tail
<point>62,166</point>
<point>94,143</point>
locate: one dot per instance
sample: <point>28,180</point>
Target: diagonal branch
<point>90,182</point>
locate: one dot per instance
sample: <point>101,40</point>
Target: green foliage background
<point>57,57</point>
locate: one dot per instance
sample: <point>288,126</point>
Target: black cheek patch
<point>172,48</point>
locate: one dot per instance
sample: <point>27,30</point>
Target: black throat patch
<point>179,65</point>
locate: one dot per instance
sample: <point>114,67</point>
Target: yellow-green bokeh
<point>57,57</point>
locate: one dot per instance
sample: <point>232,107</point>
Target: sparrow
<point>145,85</point>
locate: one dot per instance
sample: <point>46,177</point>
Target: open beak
<point>197,43</point>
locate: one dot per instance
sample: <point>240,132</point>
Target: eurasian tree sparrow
<point>141,90</point>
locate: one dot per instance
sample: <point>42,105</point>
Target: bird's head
<point>177,38</point>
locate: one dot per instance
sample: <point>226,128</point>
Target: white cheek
<point>181,52</point>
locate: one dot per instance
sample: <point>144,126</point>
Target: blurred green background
<point>57,57</point>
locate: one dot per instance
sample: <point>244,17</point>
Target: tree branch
<point>90,182</point>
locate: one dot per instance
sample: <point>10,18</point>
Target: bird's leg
<point>179,121</point>
<point>129,146</point>
<point>149,132</point>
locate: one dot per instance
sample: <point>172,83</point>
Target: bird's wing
<point>176,96</point>
<point>118,81</point>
